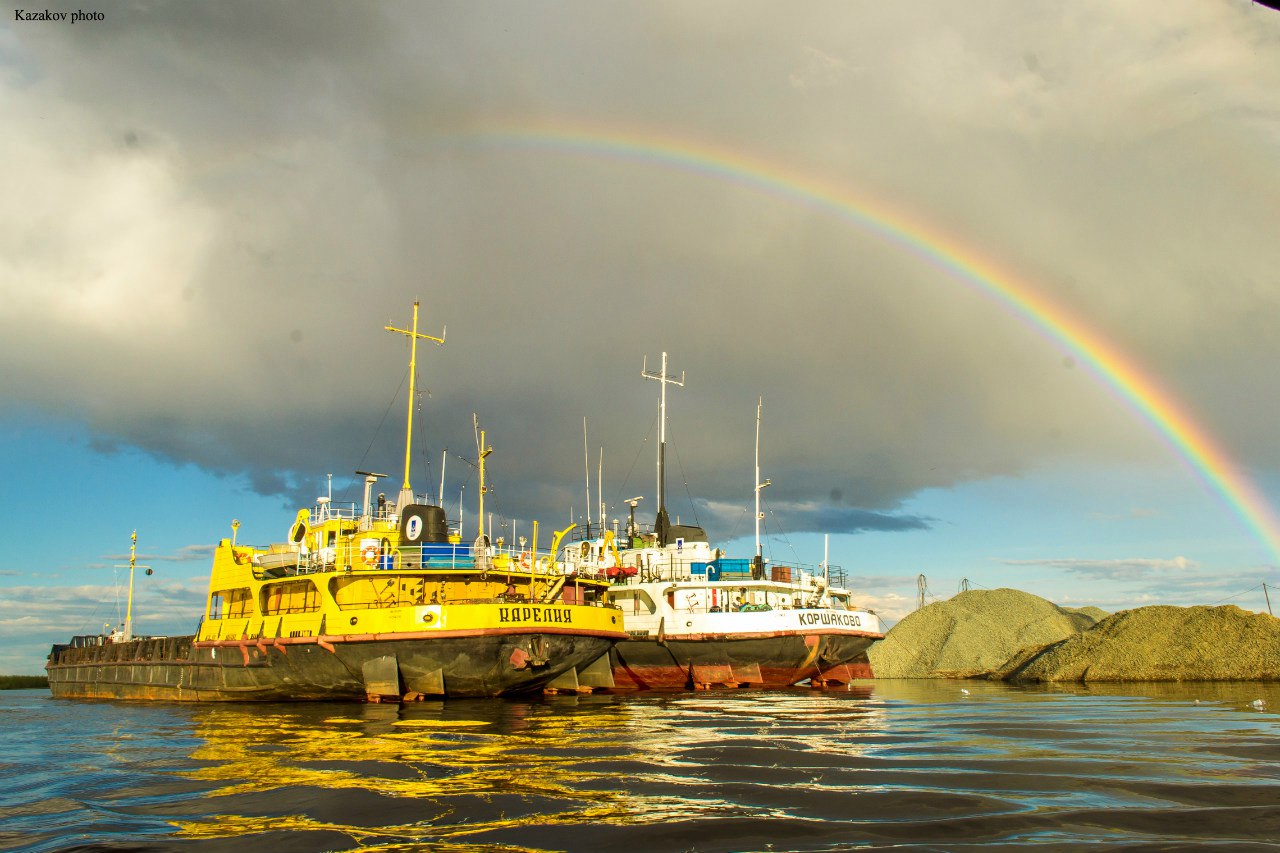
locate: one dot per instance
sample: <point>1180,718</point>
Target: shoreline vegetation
<point>1009,635</point>
<point>23,682</point>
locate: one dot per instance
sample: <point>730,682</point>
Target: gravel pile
<point>973,633</point>
<point>1160,644</point>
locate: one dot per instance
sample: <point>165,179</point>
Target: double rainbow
<point>1141,391</point>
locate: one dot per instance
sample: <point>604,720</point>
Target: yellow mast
<point>128,613</point>
<point>127,632</point>
<point>406,491</point>
<point>533,558</point>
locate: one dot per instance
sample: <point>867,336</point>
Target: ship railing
<point>352,511</point>
<point>674,567</point>
<point>325,511</point>
<point>442,555</point>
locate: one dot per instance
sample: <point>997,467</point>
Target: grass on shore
<point>23,682</point>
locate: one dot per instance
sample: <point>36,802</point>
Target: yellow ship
<point>376,602</point>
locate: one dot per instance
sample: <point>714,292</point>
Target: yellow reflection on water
<point>549,765</point>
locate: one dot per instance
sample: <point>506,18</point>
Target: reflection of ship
<point>697,618</point>
<point>425,775</point>
<point>380,603</point>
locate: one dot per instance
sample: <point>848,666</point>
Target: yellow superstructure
<point>346,577</point>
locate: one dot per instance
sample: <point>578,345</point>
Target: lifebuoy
<point>369,553</point>
<point>524,559</point>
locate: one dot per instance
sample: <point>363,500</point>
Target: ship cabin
<point>640,555</point>
<point>689,576</point>
<point>344,569</point>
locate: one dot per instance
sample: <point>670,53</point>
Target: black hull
<point>181,670</point>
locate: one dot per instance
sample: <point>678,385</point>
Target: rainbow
<point>1141,391</point>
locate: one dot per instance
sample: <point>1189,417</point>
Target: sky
<point>1003,273</point>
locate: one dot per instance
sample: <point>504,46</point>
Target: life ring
<point>524,559</point>
<point>369,553</point>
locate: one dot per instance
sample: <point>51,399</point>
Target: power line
<point>1238,595</point>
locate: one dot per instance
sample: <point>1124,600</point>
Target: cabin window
<point>290,597</point>
<point>230,603</point>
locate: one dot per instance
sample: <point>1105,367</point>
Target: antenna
<point>631,524</point>
<point>370,478</point>
<point>758,563</point>
<point>444,457</point>
<point>406,491</point>
<point>662,523</point>
<point>826,563</point>
<point>482,451</point>
<point>586,467</point>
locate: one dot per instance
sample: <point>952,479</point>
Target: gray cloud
<point>230,200</point>
<point>184,554</point>
<point>1119,570</point>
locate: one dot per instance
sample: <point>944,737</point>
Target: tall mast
<point>663,522</point>
<point>406,491</point>
<point>758,562</point>
<point>482,450</point>
<point>128,613</point>
<point>133,563</point>
<point>586,470</point>
<point>444,457</point>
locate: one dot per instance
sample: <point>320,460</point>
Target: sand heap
<point>1096,614</point>
<point>972,633</point>
<point>1160,644</point>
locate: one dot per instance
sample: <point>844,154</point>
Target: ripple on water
<point>897,764</point>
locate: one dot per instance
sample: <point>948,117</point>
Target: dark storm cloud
<point>214,208</point>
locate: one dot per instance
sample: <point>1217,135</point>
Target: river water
<point>919,765</point>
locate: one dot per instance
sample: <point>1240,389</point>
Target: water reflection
<point>1000,759</point>
<point>442,768</point>
<point>938,764</point>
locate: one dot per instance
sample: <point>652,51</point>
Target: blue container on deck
<point>445,549</point>
<point>447,554</point>
<point>734,568</point>
<point>711,570</point>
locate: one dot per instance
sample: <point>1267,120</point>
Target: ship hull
<point>769,661</point>
<point>182,669</point>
